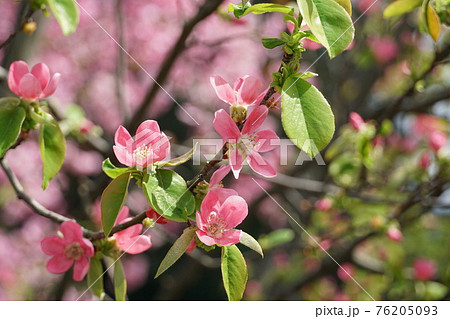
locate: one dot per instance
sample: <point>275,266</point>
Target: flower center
<point>215,225</point>
<point>73,251</point>
<point>142,152</point>
<point>246,144</point>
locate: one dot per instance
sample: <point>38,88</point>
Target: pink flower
<point>437,140</point>
<point>71,249</point>
<point>218,218</point>
<point>150,145</point>
<point>356,121</point>
<point>384,49</point>
<point>246,91</point>
<point>33,85</point>
<point>424,269</point>
<point>346,272</point>
<point>394,234</point>
<point>246,145</point>
<point>425,124</point>
<point>215,183</point>
<point>323,204</point>
<point>130,239</point>
<point>157,218</point>
<point>425,161</point>
<point>311,45</point>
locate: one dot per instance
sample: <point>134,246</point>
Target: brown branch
<point>205,10</point>
<point>22,22</point>
<point>136,220</point>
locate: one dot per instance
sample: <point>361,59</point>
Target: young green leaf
<point>261,8</point>
<point>252,243</point>
<point>167,193</point>
<point>113,199</point>
<point>112,171</point>
<point>346,4</point>
<point>239,8</point>
<point>11,119</point>
<point>276,238</point>
<point>180,159</point>
<point>306,116</point>
<point>401,7</point>
<point>52,145</point>
<point>432,22</point>
<point>234,272</point>
<point>330,24</point>
<point>120,282</point>
<point>176,251</point>
<point>95,277</point>
<point>270,43</point>
<point>66,12</point>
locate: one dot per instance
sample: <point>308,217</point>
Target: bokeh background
<point>386,213</point>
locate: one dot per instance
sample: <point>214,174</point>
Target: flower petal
<point>223,193</point>
<point>229,238</point>
<point>147,127</point>
<point>199,220</point>
<point>191,246</point>
<point>255,119</point>
<point>123,138</point>
<point>209,204</point>
<point>51,86</point>
<point>161,148</point>
<point>123,214</point>
<point>268,140</point>
<point>225,126</point>
<point>72,231</point>
<point>233,211</point>
<point>29,87</point>
<point>87,247</point>
<point>53,245</point>
<point>42,73</point>
<point>249,90</point>
<point>261,166</point>
<point>219,175</point>
<point>205,238</point>
<point>137,244</point>
<point>16,71</point>
<point>123,155</point>
<point>80,268</point>
<point>59,264</point>
<point>223,89</point>
<point>236,161</point>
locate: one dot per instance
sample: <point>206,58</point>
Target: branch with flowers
<point>211,216</point>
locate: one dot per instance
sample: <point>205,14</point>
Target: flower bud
<point>394,234</point>
<point>356,121</point>
<point>238,113</point>
<point>424,269</point>
<point>324,204</point>
<point>29,27</point>
<point>425,161</point>
<point>437,140</point>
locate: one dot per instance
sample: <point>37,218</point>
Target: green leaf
<point>329,22</point>
<point>432,22</point>
<point>307,75</point>
<point>95,277</point>
<point>306,116</point>
<point>400,7</point>
<point>52,145</point>
<point>66,12</point>
<point>43,118</point>
<point>270,43</point>
<point>239,9</point>
<point>181,159</point>
<point>261,8</point>
<point>167,193</point>
<point>346,4</point>
<point>234,272</point>
<point>120,282</point>
<point>11,119</point>
<point>276,238</point>
<point>176,251</point>
<point>111,170</point>
<point>9,102</point>
<point>113,199</point>
<point>252,243</point>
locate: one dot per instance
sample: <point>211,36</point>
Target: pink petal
<point>59,264</point>
<point>51,86</point>
<point>199,220</point>
<point>137,244</point>
<point>124,236</point>
<point>123,214</point>
<point>72,231</point>
<point>261,166</point>
<point>161,148</point>
<point>80,268</point>
<point>42,73</point>
<point>205,238</point>
<point>236,161</point>
<point>16,71</point>
<point>223,193</point>
<point>29,87</point>
<point>223,89</point>
<point>87,247</point>
<point>249,90</point>
<point>260,97</point>
<point>268,140</point>
<point>233,211</point>
<point>225,126</point>
<point>209,204</point>
<point>147,127</point>
<point>219,175</point>
<point>229,238</point>
<point>123,155</point>
<point>191,246</point>
<point>255,119</point>
<point>123,138</point>
<point>53,245</point>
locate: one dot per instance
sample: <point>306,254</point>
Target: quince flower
<point>33,85</point>
<point>71,249</point>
